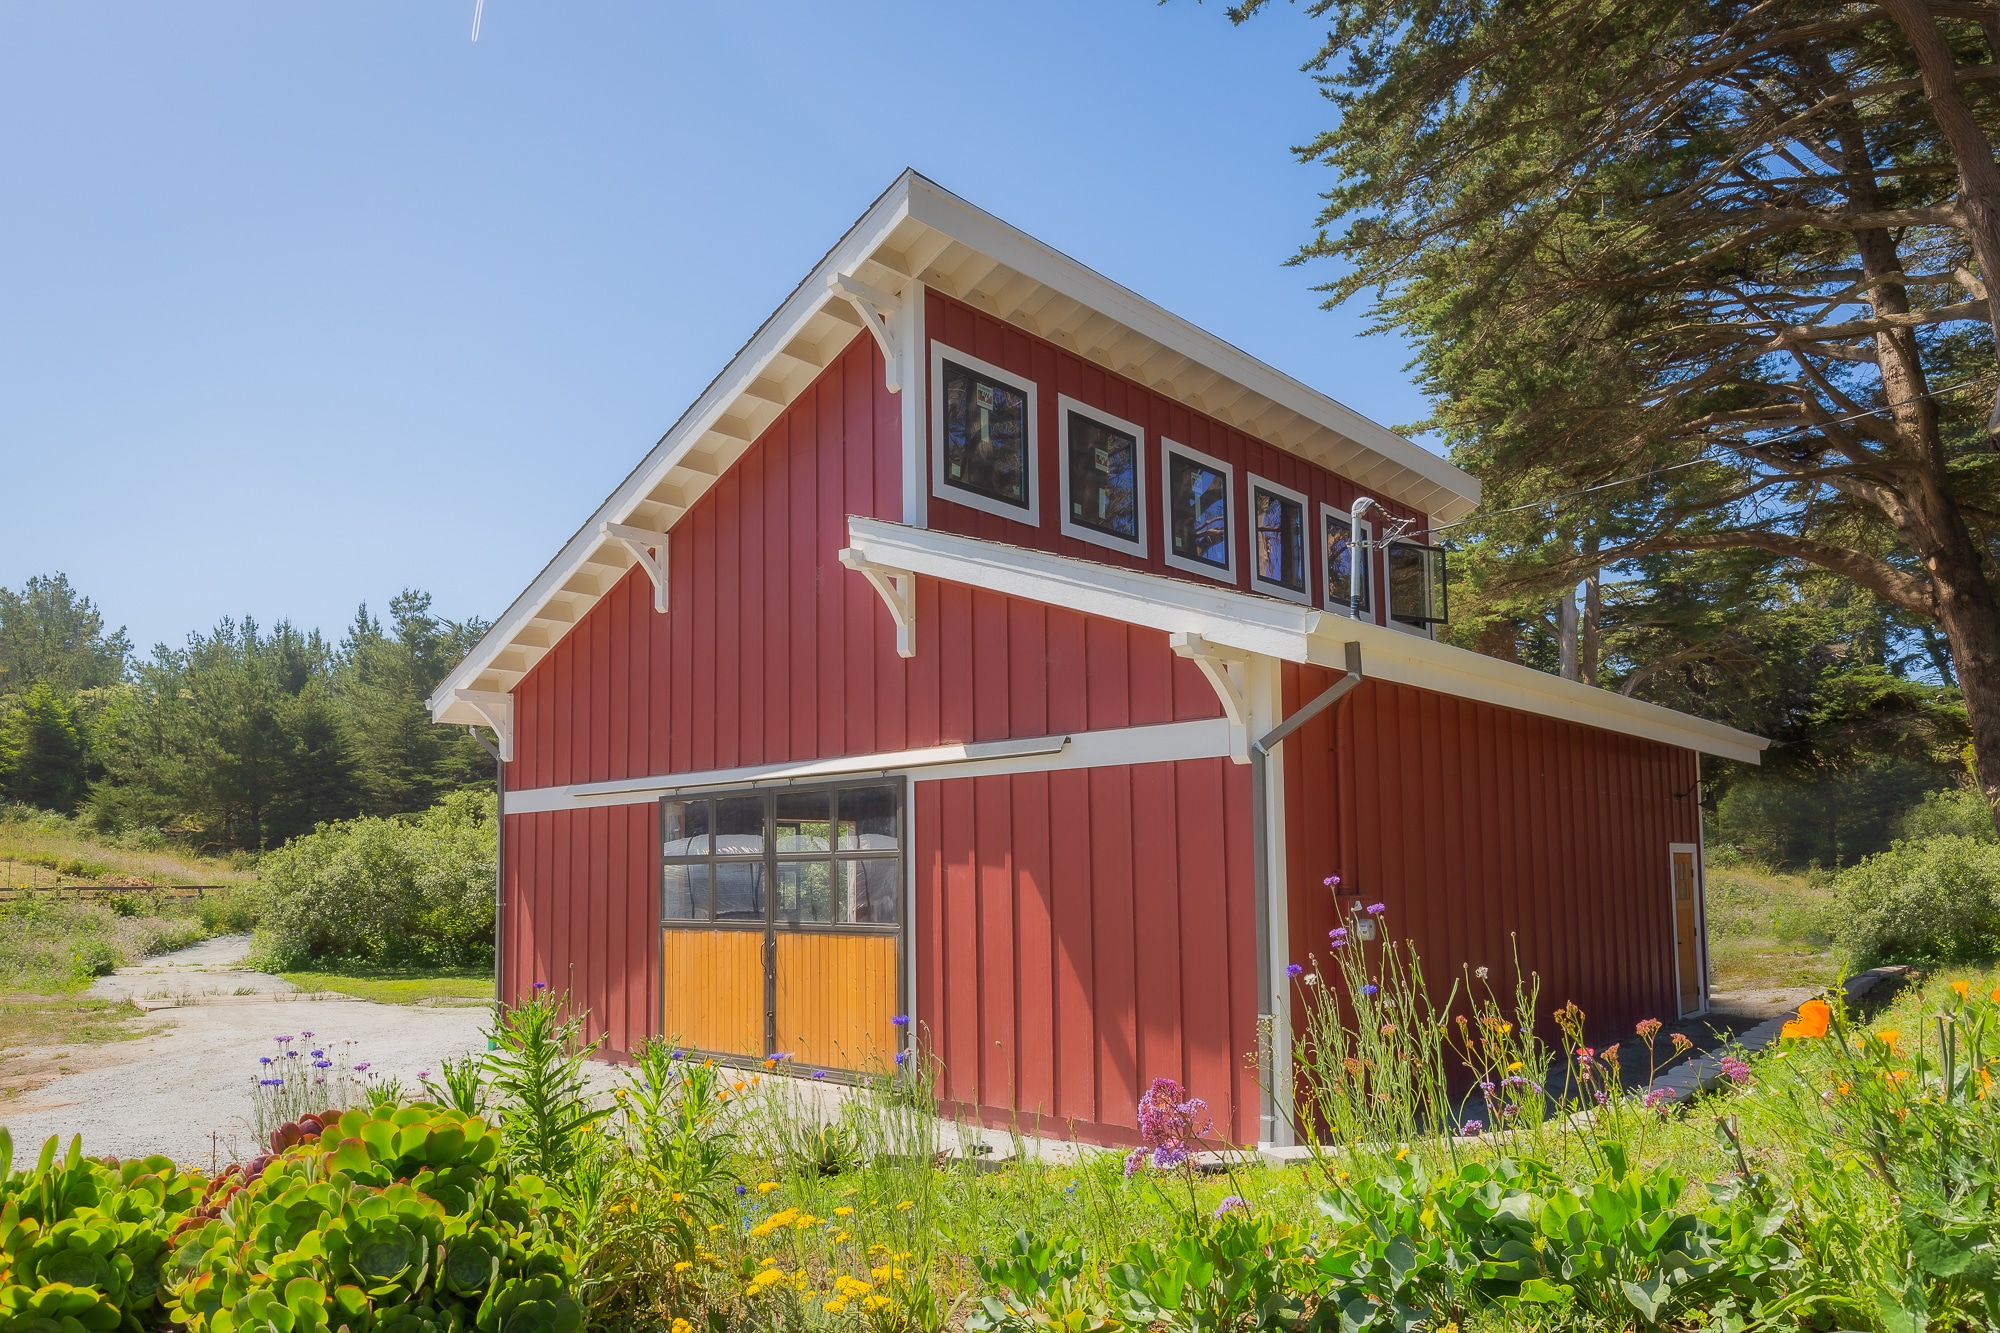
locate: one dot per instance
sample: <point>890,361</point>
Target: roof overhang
<point>916,233</point>
<point>1292,633</point>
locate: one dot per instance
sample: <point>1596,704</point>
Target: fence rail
<point>87,892</point>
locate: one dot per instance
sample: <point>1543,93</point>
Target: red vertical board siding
<point>772,651</point>
<point>1056,370</point>
<point>1091,925</point>
<point>1505,830</point>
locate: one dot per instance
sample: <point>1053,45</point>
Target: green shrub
<point>1935,899</point>
<point>385,891</point>
<point>1959,810</point>
<point>234,909</point>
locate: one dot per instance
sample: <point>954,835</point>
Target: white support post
<point>909,330</point>
<point>497,710</point>
<point>1265,697</point>
<point>1226,670</point>
<point>651,548</point>
<point>875,307</point>
<point>898,590</point>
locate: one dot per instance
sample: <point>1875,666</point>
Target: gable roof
<point>919,232</point>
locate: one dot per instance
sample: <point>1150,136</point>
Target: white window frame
<point>1421,631</point>
<point>1341,608</point>
<point>1252,483</point>
<point>942,490</point>
<point>1082,532</point>
<point>1174,559</point>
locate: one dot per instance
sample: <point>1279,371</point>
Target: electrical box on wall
<point>1362,924</point>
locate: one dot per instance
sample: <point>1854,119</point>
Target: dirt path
<point>183,1089</point>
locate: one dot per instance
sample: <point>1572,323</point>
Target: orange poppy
<point>1961,987</point>
<point>1814,1017</point>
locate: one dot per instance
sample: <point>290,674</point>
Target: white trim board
<point>1166,742</point>
<point>1284,630</point>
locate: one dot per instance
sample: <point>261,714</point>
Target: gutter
<point>1274,1001</point>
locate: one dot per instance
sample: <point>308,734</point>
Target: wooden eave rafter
<point>917,232</point>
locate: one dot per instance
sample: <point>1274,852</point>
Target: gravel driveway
<point>183,1089</point>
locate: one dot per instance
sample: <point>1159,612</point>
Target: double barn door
<point>780,915</point>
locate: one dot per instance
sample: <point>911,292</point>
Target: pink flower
<point>1734,1070</point>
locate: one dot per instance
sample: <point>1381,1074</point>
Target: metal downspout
<point>1261,856</point>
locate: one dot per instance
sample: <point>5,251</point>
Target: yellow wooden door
<point>1687,931</point>
<point>714,990</point>
<point>837,999</point>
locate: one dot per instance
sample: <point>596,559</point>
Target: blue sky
<point>302,304</point>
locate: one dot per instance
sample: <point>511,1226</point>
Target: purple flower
<point>361,1067</point>
<point>1376,909</point>
<point>541,985</point>
<point>742,1189</point>
<point>1600,1099</point>
<point>1734,1070</point>
<point>424,1074</point>
<point>319,1055</point>
<point>1171,1126</point>
<point>1370,989</point>
<point>1487,1088</point>
<point>322,1064</point>
<point>1472,1129</point>
<point>901,1020</point>
<point>1338,934</point>
<point>1232,1203</point>
<point>1329,881</point>
<point>263,1059</point>
<point>1659,1099</point>
<point>281,1040</point>
<point>819,1073</point>
<point>902,1057</point>
<point>271,1082</point>
<point>304,1035</point>
<point>1293,969</point>
<point>673,1055</point>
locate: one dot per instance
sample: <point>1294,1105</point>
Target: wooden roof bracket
<point>898,590</point>
<point>497,709</point>
<point>1227,670</point>
<point>876,307</point>
<point>651,548</point>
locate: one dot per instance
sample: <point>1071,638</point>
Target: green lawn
<point>1768,929</point>
<point>406,985</point>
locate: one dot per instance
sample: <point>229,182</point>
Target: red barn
<point>982,649</point>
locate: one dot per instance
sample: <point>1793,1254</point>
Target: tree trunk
<point>1592,639</point>
<point>1566,633</point>
<point>1971,621</point>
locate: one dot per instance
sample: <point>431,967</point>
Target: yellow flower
<point>1401,1153</point>
<point>682,1266</point>
<point>904,1206</point>
<point>835,1307</point>
<point>765,1187</point>
<point>774,1222</point>
<point>681,1326</point>
<point>843,1211</point>
<point>873,1303</point>
<point>1516,1067</point>
<point>843,1238</point>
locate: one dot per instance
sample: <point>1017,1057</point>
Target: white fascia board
<point>1166,742</point>
<point>1408,659</point>
<point>937,207</point>
<point>743,370</point>
<point>1221,615</point>
<point>1283,630</point>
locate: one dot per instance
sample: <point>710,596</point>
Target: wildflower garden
<point>1472,1164</point>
